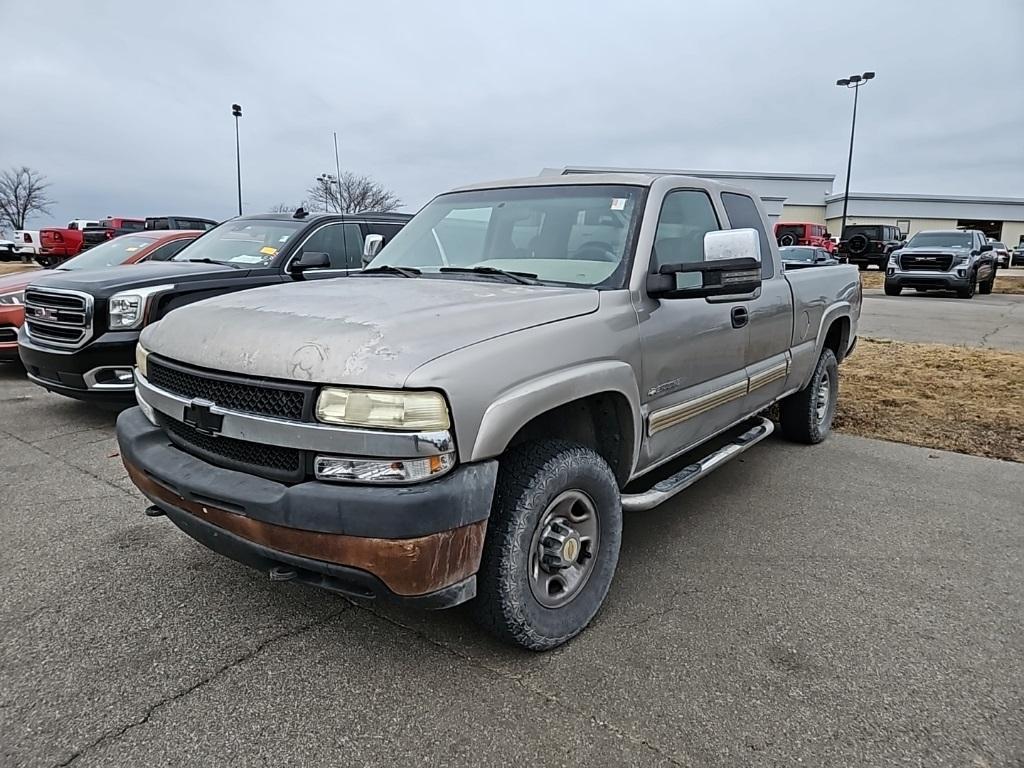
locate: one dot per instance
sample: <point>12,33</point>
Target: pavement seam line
<point>64,461</point>
<point>515,680</point>
<point>108,738</point>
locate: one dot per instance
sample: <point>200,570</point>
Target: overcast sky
<point>126,106</point>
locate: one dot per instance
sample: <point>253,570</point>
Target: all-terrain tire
<point>806,416</point>
<point>893,290</point>
<point>968,292</point>
<point>986,288</point>
<point>530,478</point>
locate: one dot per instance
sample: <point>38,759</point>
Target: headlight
<point>128,308</point>
<point>141,360</point>
<point>18,297</point>
<point>382,409</point>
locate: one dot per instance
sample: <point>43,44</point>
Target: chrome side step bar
<point>688,475</point>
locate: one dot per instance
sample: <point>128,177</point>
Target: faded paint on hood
<point>358,330</point>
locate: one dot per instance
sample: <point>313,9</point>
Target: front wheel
<point>893,290</point>
<point>986,288</point>
<point>862,266</point>
<point>806,416</point>
<point>968,292</point>
<point>552,544</point>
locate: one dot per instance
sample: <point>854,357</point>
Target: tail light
<point>110,234</point>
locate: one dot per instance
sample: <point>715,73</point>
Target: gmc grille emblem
<point>43,313</point>
<point>199,415</point>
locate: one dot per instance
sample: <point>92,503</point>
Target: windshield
<point>241,242</point>
<point>798,253</point>
<point>109,254</point>
<point>941,240</point>
<point>567,235</point>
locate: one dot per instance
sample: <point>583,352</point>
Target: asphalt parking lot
<point>995,321</point>
<point>859,603</point>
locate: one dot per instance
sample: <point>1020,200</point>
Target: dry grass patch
<point>1004,283</point>
<point>954,398</point>
<point>9,268</point>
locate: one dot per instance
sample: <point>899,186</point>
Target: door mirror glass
<point>371,247</point>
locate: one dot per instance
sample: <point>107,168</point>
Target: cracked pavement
<point>995,321</point>
<point>857,603</point>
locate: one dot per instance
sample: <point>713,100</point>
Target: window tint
<point>686,216</point>
<point>73,225</point>
<point>387,231</point>
<point>743,214</point>
<point>343,243</point>
<point>133,226</point>
<point>158,224</point>
<point>167,250</point>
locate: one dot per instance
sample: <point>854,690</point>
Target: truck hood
<point>945,250</point>
<point>369,331</point>
<point>109,280</point>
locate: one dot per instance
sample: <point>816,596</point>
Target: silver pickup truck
<point>470,416</point>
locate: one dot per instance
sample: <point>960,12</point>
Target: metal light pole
<point>327,180</point>
<point>855,82</point>
<point>236,110</point>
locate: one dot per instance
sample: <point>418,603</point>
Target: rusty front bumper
<point>346,542</point>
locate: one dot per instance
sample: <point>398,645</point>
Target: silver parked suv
<point>952,260</point>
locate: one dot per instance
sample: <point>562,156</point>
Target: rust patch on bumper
<point>406,566</point>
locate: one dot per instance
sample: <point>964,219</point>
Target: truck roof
<point>317,215</point>
<point>630,179</point>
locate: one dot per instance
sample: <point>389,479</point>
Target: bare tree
<point>286,208</point>
<point>353,194</point>
<point>22,193</point>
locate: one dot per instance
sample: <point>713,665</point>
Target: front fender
<point>511,411</point>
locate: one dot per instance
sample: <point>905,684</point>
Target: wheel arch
<point>596,404</point>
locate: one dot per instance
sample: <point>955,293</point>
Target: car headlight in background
<point>383,409</point>
<point>127,309</point>
<point>10,299</point>
<point>141,360</point>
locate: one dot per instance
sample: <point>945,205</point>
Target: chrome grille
<point>58,317</point>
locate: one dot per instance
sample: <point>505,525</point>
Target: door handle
<point>739,317</point>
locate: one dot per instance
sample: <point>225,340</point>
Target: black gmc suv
<point>864,244</point>
<point>81,328</point>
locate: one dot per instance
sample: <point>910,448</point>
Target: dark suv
<point>864,244</point>
<point>81,329</point>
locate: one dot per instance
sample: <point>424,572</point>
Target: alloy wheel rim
<point>824,398</point>
<point>564,548</point>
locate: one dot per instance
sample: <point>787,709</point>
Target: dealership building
<point>811,198</point>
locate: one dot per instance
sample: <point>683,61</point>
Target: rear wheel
<point>552,544</point>
<point>806,416</point>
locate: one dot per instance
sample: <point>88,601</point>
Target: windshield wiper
<point>206,260</point>
<point>390,269</point>
<point>525,278</point>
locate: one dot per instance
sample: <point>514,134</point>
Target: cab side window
<point>743,214</point>
<point>686,216</point>
<point>343,244</point>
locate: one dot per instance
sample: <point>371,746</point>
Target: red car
<point>803,233</point>
<point>128,249</point>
